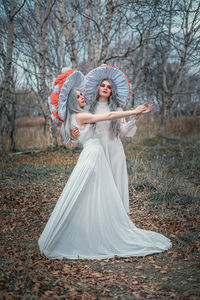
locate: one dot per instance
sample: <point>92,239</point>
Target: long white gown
<point>89,220</point>
<point>114,150</point>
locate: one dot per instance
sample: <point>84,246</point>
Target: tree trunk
<point>42,29</point>
<point>6,86</point>
<point>12,123</point>
<point>69,30</point>
<point>97,43</point>
<point>133,96</point>
<point>50,127</point>
<point>2,150</point>
<point>11,12</point>
<point>165,114</point>
<point>108,21</point>
<point>88,38</point>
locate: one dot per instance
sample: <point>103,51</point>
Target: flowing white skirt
<point>89,220</point>
<point>115,155</point>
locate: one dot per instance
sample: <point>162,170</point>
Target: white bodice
<point>86,131</point>
<point>102,128</point>
<point>127,129</point>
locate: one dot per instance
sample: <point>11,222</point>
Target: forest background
<point>156,43</point>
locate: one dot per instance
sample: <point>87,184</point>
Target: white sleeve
<point>127,129</point>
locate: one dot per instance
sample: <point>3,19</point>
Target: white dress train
<point>89,220</point>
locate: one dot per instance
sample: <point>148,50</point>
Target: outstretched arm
<point>85,118</point>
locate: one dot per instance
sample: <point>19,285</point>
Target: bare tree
<point>68,20</point>
<point>11,10</point>
<point>36,34</point>
<point>183,45</point>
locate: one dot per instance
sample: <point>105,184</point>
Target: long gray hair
<point>72,107</point>
<point>113,105</point>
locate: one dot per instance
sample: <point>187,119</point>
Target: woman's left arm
<point>85,118</point>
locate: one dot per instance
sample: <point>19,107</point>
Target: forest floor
<point>164,184</point>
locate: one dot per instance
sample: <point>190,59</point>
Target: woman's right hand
<point>142,109</point>
<point>74,133</point>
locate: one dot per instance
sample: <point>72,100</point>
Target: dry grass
<point>30,121</point>
<point>168,169</point>
<point>184,126</point>
<point>177,127</point>
<point>30,131</point>
<point>31,138</point>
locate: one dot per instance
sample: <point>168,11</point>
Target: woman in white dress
<point>115,86</point>
<point>89,220</point>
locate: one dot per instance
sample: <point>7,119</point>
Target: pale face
<point>105,89</point>
<point>81,99</point>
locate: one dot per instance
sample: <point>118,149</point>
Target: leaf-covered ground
<point>164,197</point>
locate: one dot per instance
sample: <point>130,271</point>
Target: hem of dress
<point>100,257</point>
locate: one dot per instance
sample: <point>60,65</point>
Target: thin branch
<point>45,19</point>
<point>16,12</point>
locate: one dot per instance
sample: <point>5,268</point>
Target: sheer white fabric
<point>114,150</point>
<point>89,220</point>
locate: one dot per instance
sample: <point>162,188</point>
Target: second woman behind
<point>107,89</point>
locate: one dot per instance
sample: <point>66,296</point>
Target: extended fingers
<point>147,109</point>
